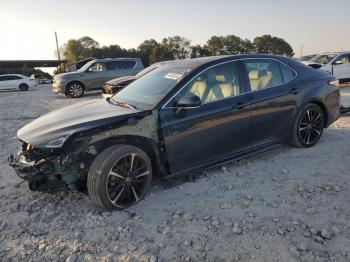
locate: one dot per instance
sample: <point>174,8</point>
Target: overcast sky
<point>27,27</point>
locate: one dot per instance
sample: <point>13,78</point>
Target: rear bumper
<point>333,107</point>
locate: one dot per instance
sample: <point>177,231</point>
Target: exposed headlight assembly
<point>58,142</point>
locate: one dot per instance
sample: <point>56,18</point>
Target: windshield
<point>86,66</point>
<point>146,70</point>
<point>323,59</point>
<point>148,90</point>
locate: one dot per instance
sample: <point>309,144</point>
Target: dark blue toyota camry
<point>181,117</point>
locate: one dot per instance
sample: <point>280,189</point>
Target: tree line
<point>175,47</point>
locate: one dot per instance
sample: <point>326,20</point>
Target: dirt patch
<point>285,205</point>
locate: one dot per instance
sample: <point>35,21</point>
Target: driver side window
<point>344,59</point>
<point>215,84</point>
<point>97,67</point>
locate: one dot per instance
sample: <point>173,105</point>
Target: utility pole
<point>301,50</point>
<point>58,53</point>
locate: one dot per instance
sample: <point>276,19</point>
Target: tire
<point>114,183</point>
<point>75,90</point>
<point>23,87</point>
<point>308,126</point>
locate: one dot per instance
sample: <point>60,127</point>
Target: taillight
<point>333,81</point>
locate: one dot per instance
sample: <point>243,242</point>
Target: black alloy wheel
<point>310,125</point>
<point>23,87</point>
<point>119,177</point>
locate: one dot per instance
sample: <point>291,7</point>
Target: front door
<point>274,98</point>
<point>341,67</point>
<point>215,130</point>
<point>96,76</point>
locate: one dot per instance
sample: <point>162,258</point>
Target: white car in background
<point>338,64</point>
<point>16,81</point>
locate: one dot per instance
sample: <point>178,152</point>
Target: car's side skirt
<point>227,159</point>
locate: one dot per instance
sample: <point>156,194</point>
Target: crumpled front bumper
<point>41,174</point>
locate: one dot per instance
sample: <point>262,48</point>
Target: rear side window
<point>263,73</point>
<point>115,65</point>
<point>2,78</point>
<point>287,73</point>
<point>12,78</point>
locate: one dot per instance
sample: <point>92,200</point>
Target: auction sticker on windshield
<point>173,76</point>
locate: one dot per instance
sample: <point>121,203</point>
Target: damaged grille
<point>34,154</point>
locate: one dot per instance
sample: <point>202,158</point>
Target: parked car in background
<point>44,80</point>
<point>94,74</point>
<point>179,118</point>
<point>115,85</point>
<point>306,58</point>
<point>337,64</point>
<point>16,81</point>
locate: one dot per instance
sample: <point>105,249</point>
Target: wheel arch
<point>323,107</point>
<point>148,145</point>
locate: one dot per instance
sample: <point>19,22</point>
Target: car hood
<point>69,75</point>
<point>63,123</point>
<point>121,80</point>
<point>311,63</point>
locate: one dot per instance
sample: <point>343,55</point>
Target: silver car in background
<point>94,74</point>
<point>337,64</point>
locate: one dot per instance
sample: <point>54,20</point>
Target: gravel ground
<point>285,205</point>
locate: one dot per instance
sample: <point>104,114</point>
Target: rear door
<point>341,67</point>
<point>217,129</point>
<point>13,81</point>
<point>274,98</point>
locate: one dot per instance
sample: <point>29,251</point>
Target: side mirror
<point>338,62</point>
<point>189,102</point>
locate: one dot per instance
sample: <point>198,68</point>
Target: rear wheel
<point>119,177</point>
<point>23,87</point>
<point>75,90</point>
<point>308,127</point>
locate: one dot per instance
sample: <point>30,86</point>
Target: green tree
<point>145,50</point>
<point>174,47</point>
<point>75,50</point>
<point>216,45</point>
<point>272,45</point>
<point>199,51</point>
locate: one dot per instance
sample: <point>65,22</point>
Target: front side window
<point>215,84</point>
<point>323,59</point>
<point>97,67</point>
<point>263,73</point>
<point>343,59</point>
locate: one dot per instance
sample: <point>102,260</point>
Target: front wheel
<point>75,90</point>
<point>308,127</point>
<point>119,177</point>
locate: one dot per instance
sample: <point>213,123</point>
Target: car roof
<point>196,62</point>
<point>12,75</point>
<point>117,59</point>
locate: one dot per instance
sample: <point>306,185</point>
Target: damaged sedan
<point>179,118</point>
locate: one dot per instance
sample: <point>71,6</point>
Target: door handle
<point>294,91</point>
<point>239,105</point>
